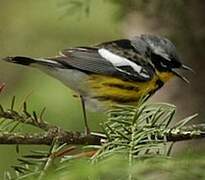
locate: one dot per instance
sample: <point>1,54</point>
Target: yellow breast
<point>112,90</point>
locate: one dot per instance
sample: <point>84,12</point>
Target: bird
<point>117,72</point>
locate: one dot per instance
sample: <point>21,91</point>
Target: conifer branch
<point>46,138</point>
<point>25,117</point>
<point>154,118</point>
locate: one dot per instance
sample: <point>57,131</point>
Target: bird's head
<point>164,55</point>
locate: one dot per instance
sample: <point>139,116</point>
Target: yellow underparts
<point>165,76</point>
<point>112,90</point>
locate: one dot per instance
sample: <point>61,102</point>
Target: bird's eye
<point>163,64</point>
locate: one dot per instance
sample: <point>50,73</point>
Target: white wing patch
<point>119,61</point>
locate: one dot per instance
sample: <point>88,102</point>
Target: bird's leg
<point>87,130</point>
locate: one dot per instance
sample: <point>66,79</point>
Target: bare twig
<point>46,138</point>
<point>186,133</point>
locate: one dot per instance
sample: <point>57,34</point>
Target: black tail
<point>26,61</point>
<point>20,60</point>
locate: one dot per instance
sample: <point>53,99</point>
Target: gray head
<point>164,54</point>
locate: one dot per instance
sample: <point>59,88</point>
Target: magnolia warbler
<point>115,72</point>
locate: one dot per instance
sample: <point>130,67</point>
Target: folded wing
<point>102,60</point>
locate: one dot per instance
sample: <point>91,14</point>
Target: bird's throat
<point>165,76</point>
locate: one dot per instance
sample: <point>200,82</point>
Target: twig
<point>26,118</point>
<point>46,138</point>
<point>186,133</point>
<point>53,132</point>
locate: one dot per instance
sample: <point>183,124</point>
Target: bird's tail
<point>34,62</point>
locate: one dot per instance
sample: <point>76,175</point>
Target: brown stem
<point>53,132</point>
<point>186,133</point>
<point>26,118</point>
<point>46,138</point>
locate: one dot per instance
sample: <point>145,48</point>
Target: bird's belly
<point>100,91</point>
<point>72,78</point>
<point>111,91</point>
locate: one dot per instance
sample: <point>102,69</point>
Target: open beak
<point>181,76</point>
<point>187,68</point>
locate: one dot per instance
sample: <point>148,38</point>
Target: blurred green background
<point>42,28</point>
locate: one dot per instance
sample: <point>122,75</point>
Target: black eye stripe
<point>163,64</point>
<point>171,61</point>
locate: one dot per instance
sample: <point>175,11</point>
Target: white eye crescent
<point>163,64</point>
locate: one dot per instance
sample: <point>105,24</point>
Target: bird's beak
<point>185,67</point>
<point>181,76</point>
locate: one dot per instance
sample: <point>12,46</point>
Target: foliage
<point>75,6</point>
<point>135,144</point>
<point>175,12</point>
<point>146,6</point>
<point>116,167</point>
<point>135,130</point>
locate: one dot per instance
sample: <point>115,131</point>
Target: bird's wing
<point>107,59</point>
